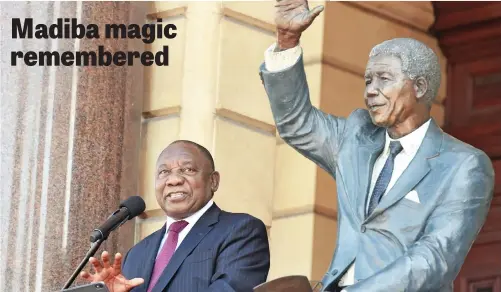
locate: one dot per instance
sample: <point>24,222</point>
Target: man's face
<point>184,180</point>
<point>389,94</point>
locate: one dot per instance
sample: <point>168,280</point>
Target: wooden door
<point>470,37</point>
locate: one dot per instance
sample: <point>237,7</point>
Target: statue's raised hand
<point>292,18</point>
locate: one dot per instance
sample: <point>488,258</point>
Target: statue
<point>411,198</point>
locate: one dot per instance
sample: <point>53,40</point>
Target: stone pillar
<point>200,72</point>
<point>211,93</point>
<point>69,145</point>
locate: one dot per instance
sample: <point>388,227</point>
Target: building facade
<point>77,141</point>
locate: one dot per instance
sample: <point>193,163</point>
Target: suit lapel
<point>196,234</point>
<point>367,156</point>
<point>415,171</point>
<point>151,248</point>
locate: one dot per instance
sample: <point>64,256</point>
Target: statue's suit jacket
<point>403,245</point>
<point>223,252</point>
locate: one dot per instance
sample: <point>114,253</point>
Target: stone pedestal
<point>69,145</point>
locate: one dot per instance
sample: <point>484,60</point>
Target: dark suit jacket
<point>222,252</point>
<point>403,245</point>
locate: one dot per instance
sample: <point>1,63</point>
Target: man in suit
<point>411,199</point>
<point>204,248</point>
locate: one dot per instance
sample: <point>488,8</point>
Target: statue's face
<point>389,94</point>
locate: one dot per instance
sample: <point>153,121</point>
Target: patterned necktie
<point>167,251</point>
<point>384,177</point>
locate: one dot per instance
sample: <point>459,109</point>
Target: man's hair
<point>202,149</point>
<point>418,60</point>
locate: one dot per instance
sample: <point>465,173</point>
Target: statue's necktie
<point>384,177</point>
<point>167,251</point>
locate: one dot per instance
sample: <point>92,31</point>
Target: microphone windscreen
<point>135,205</point>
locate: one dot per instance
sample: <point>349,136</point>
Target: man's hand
<point>111,275</point>
<point>291,19</point>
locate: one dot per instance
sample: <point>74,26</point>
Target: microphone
<point>129,209</point>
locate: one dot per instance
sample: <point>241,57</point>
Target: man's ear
<point>420,87</point>
<point>214,180</point>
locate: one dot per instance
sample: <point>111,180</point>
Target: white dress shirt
<point>191,222</point>
<point>278,61</point>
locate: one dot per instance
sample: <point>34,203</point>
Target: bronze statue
<point>411,198</point>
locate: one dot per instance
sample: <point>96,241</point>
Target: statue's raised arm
<point>307,129</point>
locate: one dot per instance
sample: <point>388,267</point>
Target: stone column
<point>211,94</point>
<point>69,146</point>
<point>200,72</point>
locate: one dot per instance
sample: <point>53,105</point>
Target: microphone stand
<point>93,248</point>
